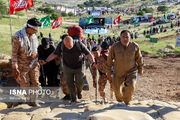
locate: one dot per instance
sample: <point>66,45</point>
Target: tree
<point>70,14</point>
<point>81,6</point>
<point>148,10</point>
<point>49,10</point>
<point>3,9</point>
<point>162,8</point>
<point>41,9</point>
<point>55,16</point>
<point>64,14</point>
<point>141,13</point>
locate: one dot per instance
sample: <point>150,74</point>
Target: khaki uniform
<point>102,68</point>
<point>29,77</point>
<point>126,61</point>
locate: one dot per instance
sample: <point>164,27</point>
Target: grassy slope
<point>17,24</point>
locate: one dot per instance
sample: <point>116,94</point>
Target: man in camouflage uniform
<point>125,56</point>
<point>101,66</point>
<point>24,51</point>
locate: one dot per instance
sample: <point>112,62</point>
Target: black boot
<point>67,97</point>
<point>79,95</point>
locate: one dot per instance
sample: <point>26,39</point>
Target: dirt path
<point>161,81</point>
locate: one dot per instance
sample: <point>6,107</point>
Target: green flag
<point>136,22</point>
<point>89,20</point>
<point>45,21</point>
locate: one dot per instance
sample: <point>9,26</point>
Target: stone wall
<point>6,78</point>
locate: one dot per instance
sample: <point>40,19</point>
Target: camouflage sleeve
<point>139,59</point>
<point>102,65</point>
<point>110,59</point>
<point>15,49</point>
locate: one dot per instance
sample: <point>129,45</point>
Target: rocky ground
<point>157,97</point>
<point>160,81</point>
<point>87,110</point>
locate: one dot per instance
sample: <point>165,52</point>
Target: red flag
<point>18,5</point>
<point>136,10</point>
<point>151,20</point>
<point>56,23</point>
<point>115,21</point>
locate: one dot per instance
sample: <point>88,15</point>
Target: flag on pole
<point>136,10</point>
<point>56,23</point>
<point>115,21</point>
<point>18,5</point>
<point>45,21</point>
<point>151,20</point>
<point>89,20</point>
<point>136,22</point>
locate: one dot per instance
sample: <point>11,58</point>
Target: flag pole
<point>10,23</point>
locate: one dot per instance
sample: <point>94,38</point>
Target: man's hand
<point>42,62</point>
<point>140,72</point>
<point>33,56</point>
<point>16,74</point>
<point>94,65</point>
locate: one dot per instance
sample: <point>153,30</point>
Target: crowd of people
<point>117,60</point>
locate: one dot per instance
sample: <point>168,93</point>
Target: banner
<point>56,23</point>
<point>45,21</point>
<point>18,5</point>
<point>117,20</point>
<point>89,20</point>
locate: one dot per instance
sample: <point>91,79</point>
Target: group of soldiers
<point>116,61</point>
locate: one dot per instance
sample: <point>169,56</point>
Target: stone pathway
<point>87,110</point>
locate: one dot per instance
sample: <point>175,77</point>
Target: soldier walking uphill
<point>72,64</point>
<point>101,66</point>
<point>24,51</point>
<point>126,59</point>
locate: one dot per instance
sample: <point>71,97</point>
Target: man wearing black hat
<point>50,69</point>
<point>101,66</point>
<point>24,51</point>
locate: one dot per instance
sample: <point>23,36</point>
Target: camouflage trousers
<point>124,87</point>
<point>102,83</point>
<point>29,77</point>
